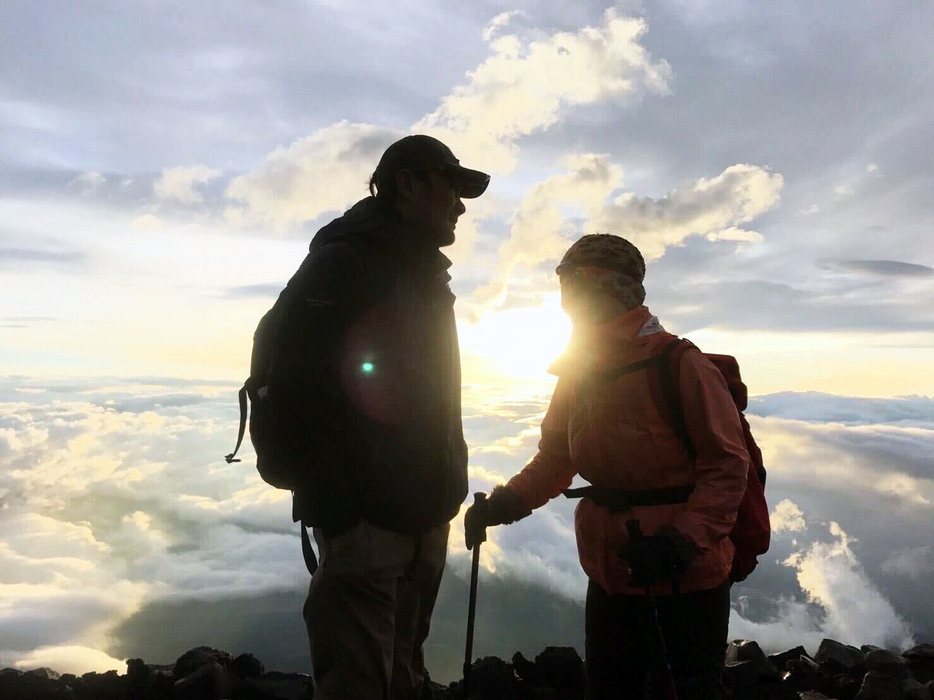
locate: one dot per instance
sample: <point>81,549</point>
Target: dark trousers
<point>623,654</point>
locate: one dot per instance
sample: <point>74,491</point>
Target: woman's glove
<point>502,507</point>
<point>666,554</point>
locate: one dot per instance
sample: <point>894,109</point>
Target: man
<point>652,530</point>
<point>369,315</point>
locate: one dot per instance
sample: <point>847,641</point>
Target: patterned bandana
<point>606,263</point>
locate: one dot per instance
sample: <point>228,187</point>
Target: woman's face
<point>585,300</point>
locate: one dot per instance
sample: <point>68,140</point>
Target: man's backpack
<point>752,530</point>
<point>274,405</point>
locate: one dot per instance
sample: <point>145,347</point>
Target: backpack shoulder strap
<point>669,374</point>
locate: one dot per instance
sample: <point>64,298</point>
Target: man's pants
<point>368,611</point>
<point>621,643</point>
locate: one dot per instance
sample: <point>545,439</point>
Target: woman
<point>652,530</point>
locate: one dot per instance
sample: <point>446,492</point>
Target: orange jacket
<point>615,435</point>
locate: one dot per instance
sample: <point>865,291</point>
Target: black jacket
<point>369,317</point>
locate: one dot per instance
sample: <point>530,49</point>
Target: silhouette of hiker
<point>607,423</point>
<point>372,310</point>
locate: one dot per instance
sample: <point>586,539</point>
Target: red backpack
<point>751,532</point>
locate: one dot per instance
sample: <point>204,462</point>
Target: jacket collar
<point>608,344</point>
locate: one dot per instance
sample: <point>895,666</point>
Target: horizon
<point>163,169</point>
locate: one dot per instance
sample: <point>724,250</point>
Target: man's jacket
<point>368,327</point>
<point>616,435</point>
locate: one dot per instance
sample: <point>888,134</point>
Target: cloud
<point>539,230</point>
<point>709,207</point>
<point>787,517</point>
<point>542,229</point>
<point>882,268</point>
<point>914,562</point>
<point>323,172</point>
<point>525,86</point>
<point>250,291</point>
<point>871,168</point>
<point>147,222</point>
<point>843,190</point>
<point>17,256</point>
<point>69,658</point>
<point>88,182</point>
<point>178,183</point>
<point>855,611</point>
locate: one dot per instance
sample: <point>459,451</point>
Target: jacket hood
<point>374,224</point>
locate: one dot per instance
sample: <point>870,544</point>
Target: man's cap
<point>607,251</point>
<point>421,153</point>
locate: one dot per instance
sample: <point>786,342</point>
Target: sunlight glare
<point>517,343</point>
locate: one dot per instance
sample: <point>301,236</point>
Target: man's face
<point>435,206</point>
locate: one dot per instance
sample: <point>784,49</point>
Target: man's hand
<point>503,506</point>
<point>663,555</point>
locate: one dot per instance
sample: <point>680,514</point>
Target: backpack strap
<point>242,398</point>
<point>670,379</point>
<point>308,552</point>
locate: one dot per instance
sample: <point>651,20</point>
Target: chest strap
<point>622,500</point>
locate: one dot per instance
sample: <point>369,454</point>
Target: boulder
<point>921,662</point>
<point>492,678</point>
<point>275,686</point>
<point>747,667</point>
<point>843,654</point>
<point>101,686</point>
<point>801,674</point>
<point>782,659</point>
<point>247,666</point>
<point>879,685</point>
<point>193,659</point>
<point>210,681</point>
<point>886,663</point>
<point>562,668</point>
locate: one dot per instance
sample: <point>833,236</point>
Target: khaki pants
<point>368,612</point>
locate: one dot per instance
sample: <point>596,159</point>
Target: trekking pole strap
<point>622,500</point>
<point>242,398</point>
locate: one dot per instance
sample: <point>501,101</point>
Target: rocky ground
<point>835,671</point>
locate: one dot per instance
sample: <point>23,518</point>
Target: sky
<point>163,166</point>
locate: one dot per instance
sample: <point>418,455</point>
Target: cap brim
<point>472,183</point>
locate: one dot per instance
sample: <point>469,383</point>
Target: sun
<point>516,344</point>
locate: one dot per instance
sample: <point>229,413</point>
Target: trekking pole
<point>478,499</point>
<point>670,692</point>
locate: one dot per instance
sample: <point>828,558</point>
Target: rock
<point>562,669</point>
<point>193,659</point>
<point>843,654</point>
<point>275,686</point>
<point>748,650</point>
<point>802,674</point>
<point>44,673</point>
<point>137,673</point>
<point>247,666</point>
<point>747,667</point>
<point>102,686</point>
<point>878,685</point>
<point>922,693</point>
<point>781,660</point>
<point>812,695</point>
<point>886,663</point>
<point>209,682</point>
<point>921,662</point>
<point>526,670</point>
<point>491,678</point>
